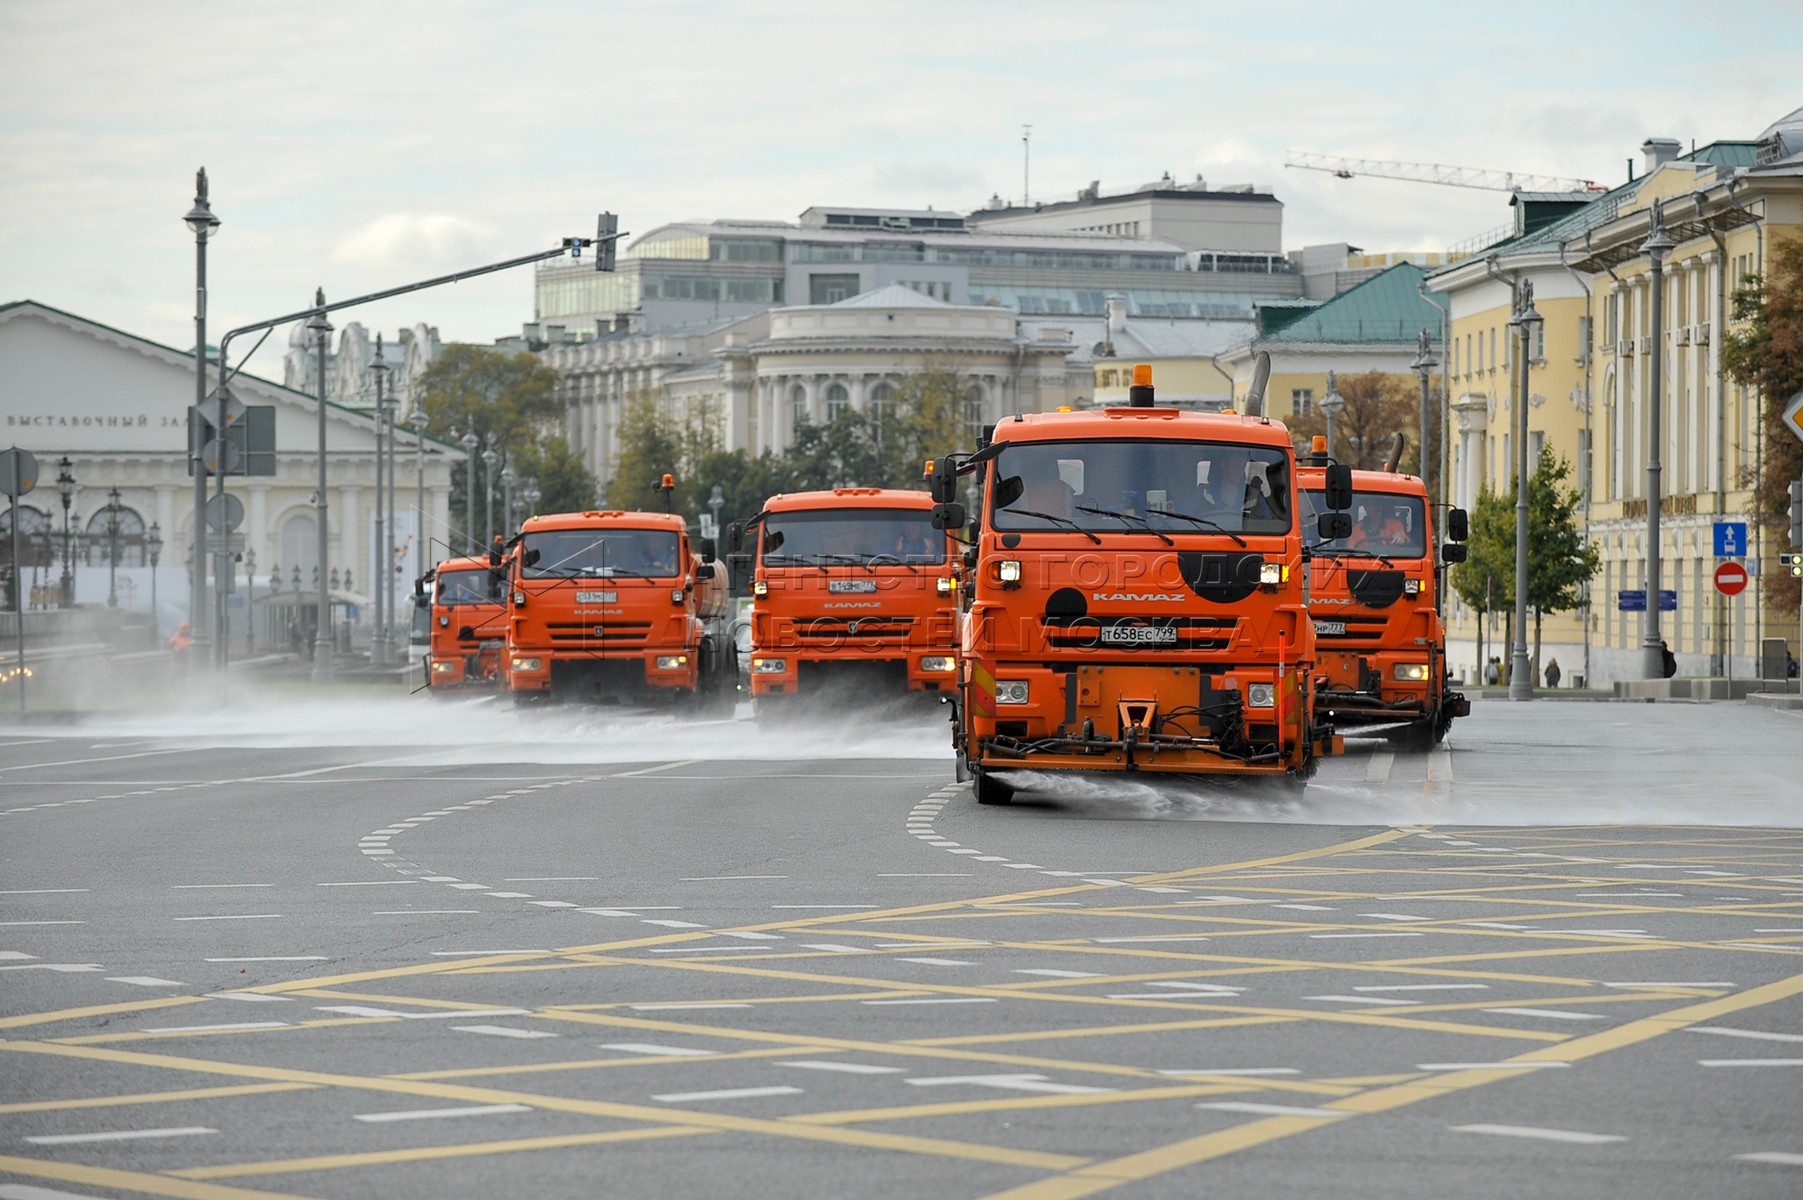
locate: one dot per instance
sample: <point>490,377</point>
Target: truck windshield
<point>1383,523</point>
<point>570,553</point>
<point>464,587</point>
<point>853,535</point>
<point>1162,485</point>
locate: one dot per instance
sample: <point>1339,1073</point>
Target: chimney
<point>1659,151</point>
<point>1117,314</point>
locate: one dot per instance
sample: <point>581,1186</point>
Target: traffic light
<point>607,231</point>
<point>1792,563</point>
<point>1796,513</point>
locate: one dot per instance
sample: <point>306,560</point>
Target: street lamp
<point>716,500</point>
<point>65,486</point>
<point>378,641</point>
<point>321,329</point>
<point>508,476</point>
<point>1652,646</point>
<point>1526,322</point>
<point>489,458</point>
<point>1424,365</point>
<point>417,419</point>
<point>112,548</point>
<point>470,442</point>
<point>1331,404</point>
<point>531,496</point>
<point>204,223</point>
<point>153,542</point>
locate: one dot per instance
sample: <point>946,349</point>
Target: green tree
<point>507,401</point>
<point>564,483</point>
<point>924,418</point>
<point>1763,349</point>
<point>1378,407</point>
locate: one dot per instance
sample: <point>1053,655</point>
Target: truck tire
<point>989,789</point>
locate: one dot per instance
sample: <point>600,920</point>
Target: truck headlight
<point>519,598</point>
<point>937,662</point>
<point>672,662</point>
<point>444,622</point>
<point>443,668</point>
<point>1010,691</point>
<point>676,595</point>
<point>769,666</point>
<point>1008,570</point>
<point>527,664</point>
<point>1411,672</point>
<point>760,588</point>
<point>946,585</point>
<point>1260,695</point>
<point>1411,587</point>
<point>1270,574</point>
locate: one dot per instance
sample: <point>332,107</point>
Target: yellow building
<point>1589,383</point>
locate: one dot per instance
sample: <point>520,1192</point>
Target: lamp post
<point>153,542</point>
<point>417,419</point>
<point>489,458</point>
<point>65,487</point>
<point>531,496</point>
<point>508,476</point>
<point>321,329</point>
<point>1657,245</point>
<point>1331,404</point>
<point>390,408</point>
<point>716,500</point>
<point>112,548</point>
<point>1526,321</point>
<point>1424,365</point>
<point>470,442</point>
<point>204,223</point>
<point>378,640</point>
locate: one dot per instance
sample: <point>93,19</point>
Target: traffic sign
<point>209,456</point>
<point>18,472</point>
<point>1730,539</point>
<point>1631,601</point>
<point>226,510</point>
<point>222,399</point>
<point>1792,417</point>
<point>1730,578</point>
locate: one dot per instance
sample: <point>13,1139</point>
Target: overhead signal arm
<point>1466,177</point>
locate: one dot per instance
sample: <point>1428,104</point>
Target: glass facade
<point>1092,302</point>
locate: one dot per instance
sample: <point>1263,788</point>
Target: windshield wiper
<point>1064,521</point>
<point>1354,552</point>
<point>1214,525</point>
<point>1126,519</point>
<point>855,560</point>
<point>798,559</point>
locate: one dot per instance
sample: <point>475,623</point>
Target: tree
<point>650,445</point>
<point>1763,349</point>
<point>1560,561</point>
<point>564,483</point>
<point>1378,407</point>
<point>507,401</point>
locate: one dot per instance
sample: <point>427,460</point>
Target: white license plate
<point>597,597</point>
<point>1330,627</point>
<point>1139,635</point>
<point>841,586</point>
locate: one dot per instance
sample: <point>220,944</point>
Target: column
<point>256,524</point>
<point>346,549</point>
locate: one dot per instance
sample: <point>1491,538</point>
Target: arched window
<point>128,535</point>
<point>36,537</point>
<point>973,413</point>
<point>837,401</point>
<point>798,404</point>
<point>879,409</point>
<point>300,545</point>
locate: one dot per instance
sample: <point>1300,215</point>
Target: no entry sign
<point>1730,579</point>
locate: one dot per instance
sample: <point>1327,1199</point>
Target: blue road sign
<point>1668,601</point>
<point>1634,601</point>
<point>1730,539</point>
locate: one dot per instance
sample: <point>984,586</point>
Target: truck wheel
<point>991,790</point>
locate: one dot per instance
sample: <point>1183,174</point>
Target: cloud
<point>414,240</point>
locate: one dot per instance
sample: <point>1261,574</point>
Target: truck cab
<point>1135,597</point>
<point>853,590</point>
<point>466,625</point>
<point>613,605</point>
<point>1380,641</point>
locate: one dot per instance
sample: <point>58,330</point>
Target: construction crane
<point>1467,177</point>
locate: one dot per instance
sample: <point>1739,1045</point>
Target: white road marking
<point>671,766</point>
<point>1630,895</point>
<point>467,887</point>
<point>548,879</point>
<point>12,923</point>
<point>217,1028</point>
<point>727,878</point>
<point>1493,925</point>
<point>711,949</point>
<point>1546,1135</point>
<point>1552,1013</point>
<point>1307,907</point>
<point>431,1114</point>
<point>1773,1156</point>
<point>511,895</point>
<point>1488,1066</point>
<point>1724,1031</point>
<point>1187,986</point>
<point>1180,1071</point>
<point>726,1094</point>
<point>481,953</point>
<point>673,1007</point>
<point>1378,769</point>
<point>1273,1110</point>
<point>836,948</point>
<point>274,958</point>
<point>427,912</point>
<point>1439,765</point>
<point>939,1000</point>
<point>1392,934</point>
<point>504,1031</point>
<point>1394,917</point>
<point>674,924</point>
<point>1012,1083</point>
<point>20,1191</point>
<point>1185,937</point>
<point>122,1135</point>
<point>363,883</point>
<point>60,968</point>
<point>823,906</point>
<point>357,1010</point>
<point>145,981</point>
<point>41,891</point>
<point>938,962</point>
<point>254,997</point>
<point>1422,987</point>
<point>1055,974</point>
<point>926,875</point>
<point>237,917</point>
<point>553,904</point>
<point>751,936</point>
<point>209,886</point>
<point>78,762</point>
<point>848,1068</point>
<point>1363,999</point>
<point>1669,985</point>
<point>653,1049</point>
<point>11,955</point>
<point>1739,1062</point>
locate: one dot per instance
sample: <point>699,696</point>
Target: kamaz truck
<point>1135,597</point>
<point>467,625</point>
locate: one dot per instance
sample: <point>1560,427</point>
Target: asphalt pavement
<point>383,947</point>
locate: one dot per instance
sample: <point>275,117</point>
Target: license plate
<point>1139,635</point>
<point>597,597</point>
<point>1330,627</point>
<point>842,586</point>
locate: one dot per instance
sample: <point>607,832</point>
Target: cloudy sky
<point>357,146</point>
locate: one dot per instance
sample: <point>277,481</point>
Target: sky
<point>357,147</point>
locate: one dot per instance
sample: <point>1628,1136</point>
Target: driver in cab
<point>1377,528</point>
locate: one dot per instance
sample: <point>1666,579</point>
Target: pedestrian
<point>1668,660</point>
<point>1493,671</point>
<point>296,635</point>
<point>1790,665</point>
<point>310,639</point>
<point>180,643</point>
<point>1552,672</point>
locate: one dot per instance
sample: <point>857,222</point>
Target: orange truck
<point>1136,601</point>
<point>851,587</point>
<point>468,629</point>
<point>618,606</point>
<point>1380,643</point>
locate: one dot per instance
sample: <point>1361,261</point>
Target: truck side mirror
<point>1008,490</point>
<point>949,515</point>
<point>705,570</point>
<point>1338,489</point>
<point>735,537</point>
<point>945,480</point>
<point>1453,552</point>
<point>1458,525</point>
<point>707,550</point>
<point>773,539</point>
<point>1332,526</point>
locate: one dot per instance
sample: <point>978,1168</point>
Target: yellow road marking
<point>130,1181</point>
<point>95,1010</point>
<point>216,1093</point>
<point>961,1108</point>
<point>378,1158</point>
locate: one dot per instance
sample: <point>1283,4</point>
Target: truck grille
<point>1359,629</point>
<point>837,629</point>
<point>602,633</point>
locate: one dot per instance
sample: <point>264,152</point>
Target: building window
<point>798,405</point>
<point>36,537</point>
<point>973,414</point>
<point>1453,367</point>
<point>1302,401</point>
<point>100,543</point>
<point>300,549</point>
<point>837,401</point>
<point>877,409</point>
<point>830,289</point>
